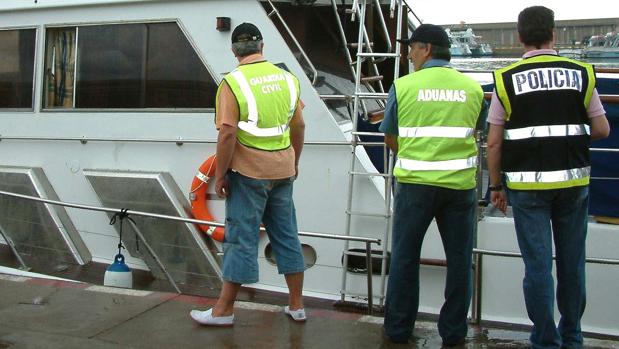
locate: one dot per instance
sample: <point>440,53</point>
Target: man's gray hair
<point>246,48</point>
<point>438,52</point>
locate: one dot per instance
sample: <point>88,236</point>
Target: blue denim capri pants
<point>249,203</point>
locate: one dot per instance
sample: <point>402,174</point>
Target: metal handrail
<point>178,141</point>
<point>477,275</point>
<point>180,219</point>
<point>181,141</point>
<point>294,39</point>
<point>368,241</point>
<point>497,253</point>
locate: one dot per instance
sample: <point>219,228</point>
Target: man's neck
<point>545,46</point>
<point>255,57</point>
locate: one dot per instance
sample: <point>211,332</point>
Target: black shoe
<point>455,343</point>
<point>396,340</point>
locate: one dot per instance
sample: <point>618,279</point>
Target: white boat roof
<point>11,5</point>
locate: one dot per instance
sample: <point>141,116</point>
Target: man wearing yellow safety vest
<point>430,123</point>
<point>543,114</point>
<point>261,132</point>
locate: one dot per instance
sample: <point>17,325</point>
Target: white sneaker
<point>296,315</point>
<point>206,318</point>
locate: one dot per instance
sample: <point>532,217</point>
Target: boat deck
<point>44,313</point>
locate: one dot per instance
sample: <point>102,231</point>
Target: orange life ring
<point>198,196</point>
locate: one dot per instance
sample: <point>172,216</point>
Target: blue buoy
<point>118,274</point>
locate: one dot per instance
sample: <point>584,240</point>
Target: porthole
<point>309,255</point>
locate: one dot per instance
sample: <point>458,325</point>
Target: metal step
<point>368,214</point>
<point>376,134</point>
<point>355,45</point>
<point>377,54</point>
<point>361,296</point>
<point>369,174</point>
<point>367,79</point>
<point>372,95</point>
<point>362,254</point>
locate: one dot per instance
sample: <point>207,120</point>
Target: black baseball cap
<point>428,34</point>
<point>246,32</point>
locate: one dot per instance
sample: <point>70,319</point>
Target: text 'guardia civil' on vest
<point>268,82</point>
<point>544,79</point>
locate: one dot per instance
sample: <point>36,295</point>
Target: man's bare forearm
<point>226,142</point>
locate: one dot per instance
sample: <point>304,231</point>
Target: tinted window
<point>16,68</point>
<point>135,66</point>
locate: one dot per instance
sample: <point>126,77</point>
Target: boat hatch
<point>42,234</point>
<point>182,250</point>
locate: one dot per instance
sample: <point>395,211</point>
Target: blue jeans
<point>415,207</point>
<point>540,216</point>
<point>250,202</point>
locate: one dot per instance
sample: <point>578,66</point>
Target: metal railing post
<point>9,242</point>
<point>368,263</point>
<point>477,290</point>
<point>154,255</point>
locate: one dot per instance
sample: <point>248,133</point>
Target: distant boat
<point>468,43</point>
<point>575,53</point>
<point>602,46</point>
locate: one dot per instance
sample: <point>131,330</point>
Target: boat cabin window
<point>17,68</point>
<point>124,66</point>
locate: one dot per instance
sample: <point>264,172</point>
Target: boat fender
<point>199,199</point>
<point>118,274</point>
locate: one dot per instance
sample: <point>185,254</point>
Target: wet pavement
<point>42,313</point>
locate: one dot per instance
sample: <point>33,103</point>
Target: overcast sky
<point>489,11</point>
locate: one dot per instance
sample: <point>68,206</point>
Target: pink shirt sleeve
<point>496,114</point>
<point>595,105</point>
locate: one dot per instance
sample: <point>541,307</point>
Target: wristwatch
<point>498,187</point>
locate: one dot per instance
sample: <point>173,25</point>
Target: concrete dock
<point>44,313</point>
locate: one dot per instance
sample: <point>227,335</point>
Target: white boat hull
<point>320,192</point>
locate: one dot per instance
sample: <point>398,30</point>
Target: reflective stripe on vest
<point>251,125</point>
<point>547,131</point>
<point>435,131</point>
<point>446,165</point>
<point>549,176</point>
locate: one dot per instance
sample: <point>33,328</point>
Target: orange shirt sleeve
<point>227,112</point>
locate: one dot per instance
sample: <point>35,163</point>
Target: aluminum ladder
<point>365,52</point>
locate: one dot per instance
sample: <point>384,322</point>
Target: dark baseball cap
<point>428,34</point>
<point>246,32</point>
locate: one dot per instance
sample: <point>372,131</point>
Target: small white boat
<point>602,46</point>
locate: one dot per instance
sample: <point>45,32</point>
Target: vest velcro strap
<point>547,131</point>
<point>446,165</point>
<point>262,132</point>
<point>435,131</point>
<point>548,176</point>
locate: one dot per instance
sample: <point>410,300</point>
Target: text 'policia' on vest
<point>267,97</point>
<point>438,108</point>
<point>547,130</point>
